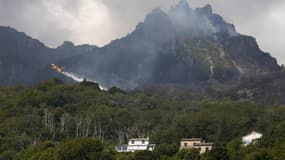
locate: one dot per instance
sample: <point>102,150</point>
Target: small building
<point>197,143</point>
<point>251,138</point>
<point>136,144</point>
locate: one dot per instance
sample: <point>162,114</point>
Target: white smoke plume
<point>73,76</point>
<point>78,78</point>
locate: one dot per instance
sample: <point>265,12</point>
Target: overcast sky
<point>100,21</point>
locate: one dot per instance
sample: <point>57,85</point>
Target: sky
<point>100,21</point>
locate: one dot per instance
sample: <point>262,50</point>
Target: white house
<point>251,138</point>
<point>136,144</point>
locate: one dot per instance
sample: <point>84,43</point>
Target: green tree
<point>167,149</point>
<point>42,151</point>
<point>7,155</point>
<point>144,155</point>
<point>259,155</point>
<point>233,148</point>
<point>185,154</point>
<point>107,155</point>
<point>80,149</point>
<point>219,152</point>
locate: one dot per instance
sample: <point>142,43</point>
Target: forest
<point>58,121</point>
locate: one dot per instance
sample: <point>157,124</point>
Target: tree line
<point>54,120</point>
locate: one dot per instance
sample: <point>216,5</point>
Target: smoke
<point>149,54</point>
<point>199,22</point>
<point>78,78</point>
<point>186,20</point>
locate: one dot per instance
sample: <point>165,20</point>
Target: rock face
<point>183,47</point>
<point>244,51</point>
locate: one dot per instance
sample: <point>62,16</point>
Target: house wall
<point>136,145</point>
<point>137,148</point>
<point>204,149</point>
<point>190,144</point>
<point>138,142</point>
<point>250,138</point>
<point>122,148</point>
<point>151,148</point>
<point>198,144</point>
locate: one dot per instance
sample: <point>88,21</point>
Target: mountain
<point>183,47</point>
<point>24,60</point>
<point>21,56</point>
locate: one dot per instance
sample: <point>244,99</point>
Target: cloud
<point>100,21</point>
<point>85,21</point>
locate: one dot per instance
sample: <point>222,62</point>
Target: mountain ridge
<point>181,47</point>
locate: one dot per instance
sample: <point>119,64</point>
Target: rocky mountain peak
<point>157,27</point>
<point>156,16</point>
<point>181,5</point>
<point>66,44</point>
<point>182,9</point>
<point>206,10</point>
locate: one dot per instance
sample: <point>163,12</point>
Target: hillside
<point>54,121</point>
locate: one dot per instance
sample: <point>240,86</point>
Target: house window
<point>185,144</point>
<point>133,142</point>
<point>207,149</point>
<point>143,141</point>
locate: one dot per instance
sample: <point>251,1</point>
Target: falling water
<point>78,78</point>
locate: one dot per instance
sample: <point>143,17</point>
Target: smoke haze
<point>100,21</point>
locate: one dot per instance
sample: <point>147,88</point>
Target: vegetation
<point>56,121</point>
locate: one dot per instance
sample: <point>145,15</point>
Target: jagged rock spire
<point>206,10</point>
<point>183,3</point>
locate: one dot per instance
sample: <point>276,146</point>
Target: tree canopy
<point>79,121</point>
